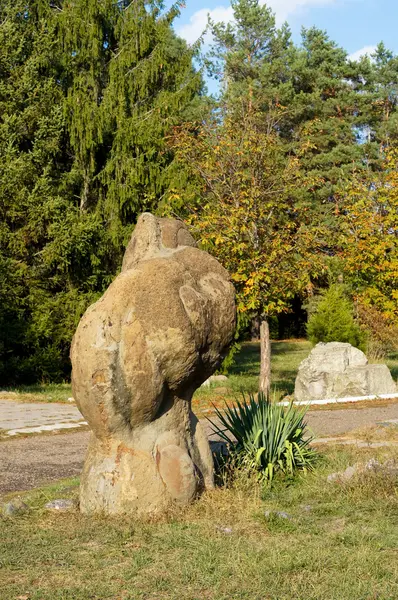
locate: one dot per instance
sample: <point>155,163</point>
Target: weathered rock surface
<point>60,505</point>
<point>214,379</point>
<point>338,370</point>
<point>159,331</point>
<point>14,508</point>
<point>387,469</point>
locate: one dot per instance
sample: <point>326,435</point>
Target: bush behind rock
<point>333,320</point>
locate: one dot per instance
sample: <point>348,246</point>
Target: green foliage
<point>326,100</point>
<point>88,90</point>
<point>269,438</point>
<point>318,111</point>
<point>333,320</point>
<point>381,332</point>
<point>89,93</point>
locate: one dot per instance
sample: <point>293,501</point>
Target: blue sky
<point>356,25</point>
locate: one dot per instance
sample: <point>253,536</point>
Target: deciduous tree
<point>246,211</point>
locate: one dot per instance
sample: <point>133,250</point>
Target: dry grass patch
<point>338,542</point>
<point>40,392</point>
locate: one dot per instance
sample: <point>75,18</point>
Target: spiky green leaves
<point>265,437</point>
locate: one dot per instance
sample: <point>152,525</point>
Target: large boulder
<point>159,331</point>
<point>338,370</point>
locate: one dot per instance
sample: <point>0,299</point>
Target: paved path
<point>338,422</point>
<point>28,462</point>
<point>19,417</point>
<point>37,417</point>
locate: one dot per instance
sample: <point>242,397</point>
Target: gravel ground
<point>28,462</point>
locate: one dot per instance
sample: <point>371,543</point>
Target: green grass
<point>285,359</point>
<point>39,392</point>
<point>392,364</point>
<point>340,543</point>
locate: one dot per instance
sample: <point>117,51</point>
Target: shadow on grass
<point>247,360</point>
<point>285,356</point>
<point>392,363</point>
<point>278,348</point>
<point>284,386</point>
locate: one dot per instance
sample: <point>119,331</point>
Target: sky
<point>356,25</point>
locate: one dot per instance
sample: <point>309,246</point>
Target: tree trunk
<point>255,329</point>
<point>265,368</point>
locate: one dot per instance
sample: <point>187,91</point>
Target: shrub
<point>380,330</point>
<point>265,437</point>
<point>333,320</point>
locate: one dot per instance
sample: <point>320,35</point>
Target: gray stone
<point>277,513</point>
<point>226,530</point>
<point>159,331</point>
<point>214,379</point>
<point>389,467</point>
<point>343,476</point>
<point>380,380</point>
<point>15,507</point>
<point>338,370</point>
<point>62,505</point>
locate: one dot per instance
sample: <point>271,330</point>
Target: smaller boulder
<point>226,530</point>
<point>276,513</point>
<point>61,505</point>
<point>343,476</point>
<point>388,468</point>
<point>338,370</point>
<point>15,507</point>
<point>214,379</point>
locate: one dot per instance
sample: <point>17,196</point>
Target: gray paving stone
<point>22,417</point>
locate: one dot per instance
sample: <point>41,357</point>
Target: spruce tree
<point>88,90</point>
<point>31,130</point>
<point>333,320</point>
<point>130,80</point>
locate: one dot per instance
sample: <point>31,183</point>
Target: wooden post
<point>265,366</point>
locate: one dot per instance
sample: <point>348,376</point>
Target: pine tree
<point>378,84</point>
<point>327,106</point>
<point>251,58</point>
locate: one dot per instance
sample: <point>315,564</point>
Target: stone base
<point>145,476</point>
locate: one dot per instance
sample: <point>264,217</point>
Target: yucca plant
<point>266,437</point>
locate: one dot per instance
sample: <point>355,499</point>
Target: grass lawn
<point>39,392</point>
<point>340,542</point>
<point>392,364</point>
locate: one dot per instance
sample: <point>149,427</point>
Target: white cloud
<point>198,22</point>
<point>283,8</point>
<point>362,52</point>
